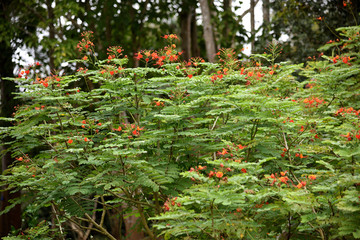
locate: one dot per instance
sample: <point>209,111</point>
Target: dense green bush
<point>233,150</point>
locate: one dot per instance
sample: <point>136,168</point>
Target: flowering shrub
<point>196,150</point>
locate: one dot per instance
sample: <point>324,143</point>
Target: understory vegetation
<point>236,149</point>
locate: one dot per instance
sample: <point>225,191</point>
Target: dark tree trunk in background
<point>208,30</point>
<point>227,17</point>
<point>266,11</point>
<point>133,227</point>
<point>11,219</point>
<point>195,49</point>
<point>116,222</point>
<point>188,34</point>
<point>252,24</point>
<point>185,24</point>
<point>266,17</point>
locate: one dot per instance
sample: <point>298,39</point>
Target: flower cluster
<point>26,71</point>
<point>218,75</point>
<point>344,59</point>
<point>190,68</point>
<point>159,103</point>
<point>258,73</point>
<point>313,102</point>
<point>132,129</point>
<point>171,36</point>
<point>284,179</point>
<point>86,45</point>
<point>349,135</point>
<point>170,202</point>
<point>228,59</point>
<point>166,55</point>
<point>114,52</point>
<point>344,111</point>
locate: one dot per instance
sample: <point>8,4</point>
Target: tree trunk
<point>266,17</point>
<point>252,24</point>
<point>12,219</point>
<point>227,18</point>
<point>208,30</point>
<point>116,220</point>
<point>266,11</point>
<point>195,49</point>
<point>133,227</point>
<point>185,24</point>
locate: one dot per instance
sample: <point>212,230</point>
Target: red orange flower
<point>201,167</point>
<point>138,56</point>
<point>301,184</point>
<point>302,129</point>
<point>219,174</point>
<point>284,179</point>
<point>312,177</point>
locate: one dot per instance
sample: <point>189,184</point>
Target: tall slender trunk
<point>252,24</point>
<point>208,30</point>
<point>195,49</point>
<point>266,11</point>
<point>266,17</point>
<point>12,219</point>
<point>108,17</point>
<point>227,18</point>
<point>185,23</point>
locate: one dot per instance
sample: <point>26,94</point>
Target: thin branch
<point>57,218</point>
<point>289,228</point>
<point>246,12</point>
<point>214,123</point>
<point>103,212</point>
<point>131,200</point>
<point>144,222</point>
<point>102,229</point>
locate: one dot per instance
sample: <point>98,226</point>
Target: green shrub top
<point>232,150</point>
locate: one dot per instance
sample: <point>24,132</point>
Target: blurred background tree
<point>303,26</point>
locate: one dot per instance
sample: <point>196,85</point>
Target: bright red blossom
<point>312,177</point>
<point>138,56</point>
<point>219,174</point>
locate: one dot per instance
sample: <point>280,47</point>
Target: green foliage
<point>196,150</point>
